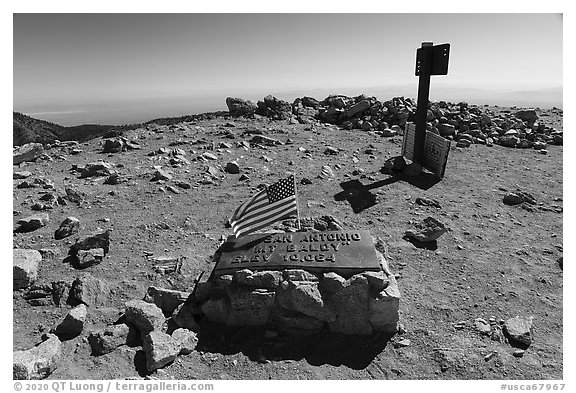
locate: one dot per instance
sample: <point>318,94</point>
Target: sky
<point>67,62</point>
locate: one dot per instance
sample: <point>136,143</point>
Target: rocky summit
<point>116,229</point>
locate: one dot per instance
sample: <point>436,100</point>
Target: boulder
<point>519,331</point>
<point>33,222</point>
<point>166,299</point>
<point>160,349</point>
<point>89,290</point>
<point>147,317</point>
<point>38,362</point>
<point>108,339</point>
<point>27,152</point>
<point>186,339</point>
<point>446,130</point>
<point>427,230</point>
<point>351,306</point>
<point>357,108</point>
<point>69,226</point>
<point>73,323</point>
<point>115,145</point>
<point>240,107</point>
<point>527,115</point>
<point>25,267</point>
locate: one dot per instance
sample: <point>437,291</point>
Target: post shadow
<point>360,197</point>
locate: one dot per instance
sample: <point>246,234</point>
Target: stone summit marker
<point>299,282</point>
<point>344,252</point>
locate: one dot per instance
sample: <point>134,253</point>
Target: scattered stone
<point>427,230</point>
<point>69,226</point>
<point>518,353</point>
<point>482,326</point>
<point>87,258</point>
<point>147,317</point>
<point>108,339</point>
<point>331,150</point>
<point>326,172</point>
<point>73,323</point>
<point>519,331</point>
<point>37,362</point>
<point>490,356</point>
<point>183,184</point>
<point>33,222</point>
<point>265,140</point>
<point>21,175</point>
<point>428,202</point>
<point>74,196</point>
<point>97,169</point>
<point>96,240</point>
<point>88,290</point>
<point>186,339</point>
<point>512,199</point>
<point>160,349</point>
<point>161,174</point>
<point>25,267</point>
<point>166,299</point>
<point>232,167</point>
<point>27,152</point>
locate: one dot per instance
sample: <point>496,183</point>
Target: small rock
<point>331,151</point>
<point>38,362</point>
<point>402,343</point>
<point>88,290</point>
<point>33,222</point>
<point>184,318</point>
<point>518,353</point>
<point>73,323</point>
<point>489,356</point>
<point>147,317</point>
<point>428,202</point>
<point>161,174</point>
<point>96,240</point>
<point>25,267</point>
<point>512,199</point>
<point>160,349</point>
<point>326,172</point>
<point>166,299</point>
<point>97,169</point>
<point>482,326</point>
<point>519,330</point>
<point>332,282</point>
<point>232,167</point>
<point>21,175</point>
<point>87,258</point>
<point>108,339</point>
<point>69,226</point>
<point>187,340</point>
<point>428,230</point>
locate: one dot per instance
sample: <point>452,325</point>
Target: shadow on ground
<point>261,345</point>
<point>360,197</point>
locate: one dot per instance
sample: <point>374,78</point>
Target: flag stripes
<point>272,204</point>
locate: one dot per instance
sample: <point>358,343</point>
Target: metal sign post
<point>430,60</point>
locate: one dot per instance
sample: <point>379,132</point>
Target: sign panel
<point>436,150</point>
<point>347,252</point>
<point>439,59</point>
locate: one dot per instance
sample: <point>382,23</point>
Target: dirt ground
<point>496,260</point>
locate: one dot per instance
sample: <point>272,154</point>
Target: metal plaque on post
<point>436,150</point>
<point>348,252</point>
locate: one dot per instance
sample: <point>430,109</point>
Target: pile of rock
<point>464,123</point>
<point>298,301</point>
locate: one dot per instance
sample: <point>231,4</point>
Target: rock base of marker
<point>298,301</point>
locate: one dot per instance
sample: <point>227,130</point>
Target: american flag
<point>274,203</point>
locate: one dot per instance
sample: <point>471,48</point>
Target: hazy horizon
<point>123,68</point>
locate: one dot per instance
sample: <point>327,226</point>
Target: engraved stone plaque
<point>348,252</point>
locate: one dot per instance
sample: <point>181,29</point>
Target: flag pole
<point>297,207</point>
